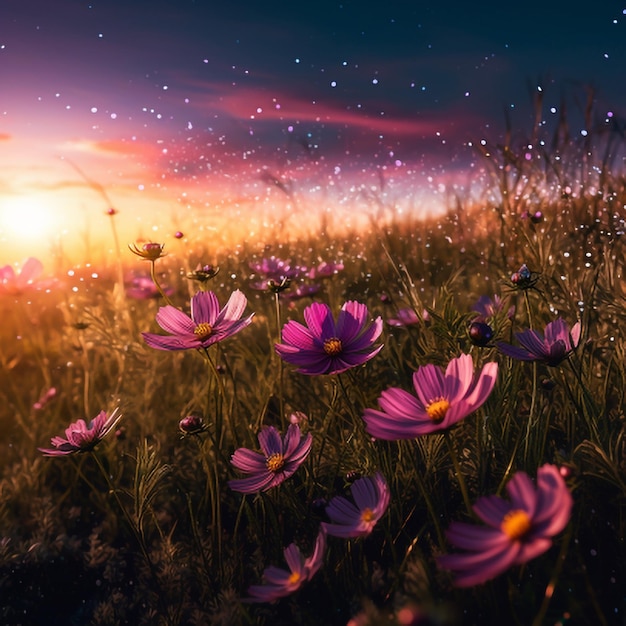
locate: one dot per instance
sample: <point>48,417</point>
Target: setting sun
<point>26,218</point>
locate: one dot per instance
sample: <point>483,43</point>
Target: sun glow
<point>27,218</point>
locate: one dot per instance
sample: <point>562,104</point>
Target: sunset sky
<point>218,117</point>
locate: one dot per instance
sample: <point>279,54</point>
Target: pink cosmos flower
<point>83,437</point>
<point>404,317</point>
<point>371,499</point>
<point>516,531</point>
<point>443,399</point>
<point>550,347</point>
<point>206,326</point>
<point>44,398</point>
<point>279,460</point>
<point>279,582</point>
<point>15,284</point>
<point>329,347</point>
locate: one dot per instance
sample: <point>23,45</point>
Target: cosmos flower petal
<point>458,378</point>
<point>204,310</point>
<point>298,336</point>
<point>279,582</point>
<point>270,441</point>
<point>341,510</point>
<point>170,342</point>
<point>575,334</point>
<point>472,537</point>
<point>366,493</point>
<point>491,550</point>
<point>404,416</point>
<point>401,403</point>
<point>522,493</point>
<point>269,472</point>
<point>533,341</point>
<point>515,352</point>
<point>314,562</point>
<point>31,270</point>
<point>204,307</point>
<point>554,501</point>
<point>83,437</point>
<point>351,319</point>
<point>371,499</point>
<point>328,348</point>
<point>252,484</point>
<point>531,550</point>
<point>275,575</point>
<point>294,558</point>
<point>428,382</point>
<point>248,461</point>
<point>319,319</point>
<point>491,510</point>
<point>551,347</point>
<point>476,568</point>
<point>174,321</point>
<point>388,427</point>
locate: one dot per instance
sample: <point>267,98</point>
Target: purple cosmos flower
<point>273,271</point>
<point>404,317</point>
<point>83,437</point>
<point>371,499</point>
<point>326,347</point>
<point>279,582</point>
<point>516,531</point>
<point>143,288</point>
<point>302,291</point>
<point>27,279</point>
<point>550,347</point>
<point>487,307</point>
<point>207,324</point>
<point>325,270</point>
<point>442,400</point>
<point>279,460</point>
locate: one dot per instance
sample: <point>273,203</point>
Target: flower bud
<point>192,424</point>
<point>480,333</point>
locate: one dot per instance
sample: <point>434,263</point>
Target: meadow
<point>438,438</point>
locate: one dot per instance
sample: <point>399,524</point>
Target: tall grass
<point>145,529</point>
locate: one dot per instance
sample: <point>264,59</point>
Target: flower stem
<point>539,618</point>
<point>281,399</point>
<point>459,474</point>
<point>155,280</point>
<point>136,531</point>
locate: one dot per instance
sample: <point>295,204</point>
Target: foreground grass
<point>145,529</point>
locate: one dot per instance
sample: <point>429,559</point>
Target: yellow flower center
<point>332,346</point>
<point>203,330</point>
<point>294,578</point>
<point>367,516</point>
<point>437,409</point>
<point>275,462</point>
<point>516,524</point>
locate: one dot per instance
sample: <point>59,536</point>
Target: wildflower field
<point>419,423</point>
